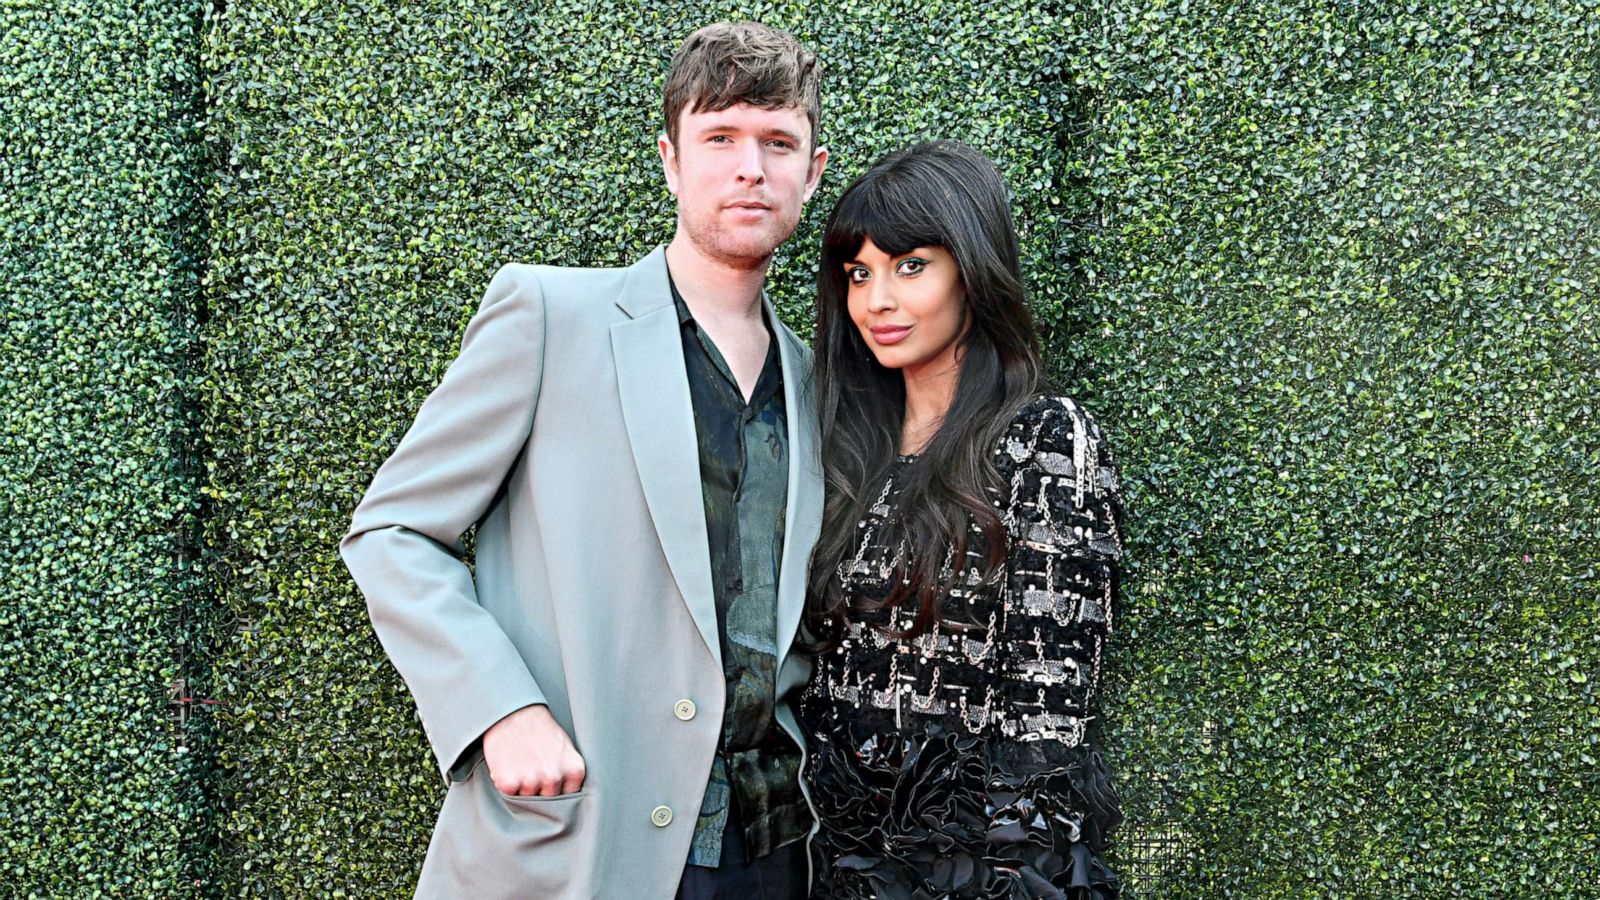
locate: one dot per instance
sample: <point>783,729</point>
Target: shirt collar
<point>686,317</point>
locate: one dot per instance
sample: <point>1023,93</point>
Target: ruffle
<point>940,814</point>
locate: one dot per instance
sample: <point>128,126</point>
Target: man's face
<point>742,175</point>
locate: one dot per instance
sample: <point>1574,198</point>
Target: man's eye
<point>912,266</point>
<point>781,145</point>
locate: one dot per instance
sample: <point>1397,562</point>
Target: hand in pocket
<point>529,755</point>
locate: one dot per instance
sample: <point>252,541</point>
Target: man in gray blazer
<point>607,696</point>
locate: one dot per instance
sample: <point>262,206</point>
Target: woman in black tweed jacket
<point>963,586</point>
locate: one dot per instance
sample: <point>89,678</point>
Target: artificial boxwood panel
<point>1324,274</point>
<point>378,163</point>
<point>1338,311</point>
<point>98,493</point>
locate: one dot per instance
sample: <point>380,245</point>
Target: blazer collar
<point>659,414</point>
<point>803,514</point>
<point>646,288</point>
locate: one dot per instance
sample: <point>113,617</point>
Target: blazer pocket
<point>491,845</point>
<point>552,817</point>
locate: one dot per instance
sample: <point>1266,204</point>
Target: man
<point>607,698</point>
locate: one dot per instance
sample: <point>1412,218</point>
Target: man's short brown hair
<point>741,62</point>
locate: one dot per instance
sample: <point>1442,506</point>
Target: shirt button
<point>661,817</point>
<point>684,710</point>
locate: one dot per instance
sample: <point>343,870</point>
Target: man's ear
<point>669,162</point>
<point>819,161</point>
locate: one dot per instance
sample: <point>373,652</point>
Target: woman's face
<point>910,309</point>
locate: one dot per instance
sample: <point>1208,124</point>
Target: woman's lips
<point>885,335</point>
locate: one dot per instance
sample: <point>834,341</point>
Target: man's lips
<point>885,335</point>
<point>749,211</point>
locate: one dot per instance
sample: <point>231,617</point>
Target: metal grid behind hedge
<point>1153,859</point>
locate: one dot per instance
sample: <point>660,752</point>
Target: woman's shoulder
<point>1065,494</point>
<point>1050,424</point>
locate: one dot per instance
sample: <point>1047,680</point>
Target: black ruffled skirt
<point>939,814</point>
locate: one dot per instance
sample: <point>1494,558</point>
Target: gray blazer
<point>564,431</point>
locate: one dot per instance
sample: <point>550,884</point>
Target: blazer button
<point>661,817</point>
<point>683,709</point>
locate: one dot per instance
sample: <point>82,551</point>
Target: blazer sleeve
<point>404,545</point>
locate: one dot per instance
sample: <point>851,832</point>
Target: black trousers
<point>780,875</point>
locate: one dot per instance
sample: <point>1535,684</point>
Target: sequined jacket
<point>958,762</point>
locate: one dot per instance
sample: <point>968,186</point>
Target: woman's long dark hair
<point>944,194</point>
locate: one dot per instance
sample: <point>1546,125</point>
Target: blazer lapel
<point>804,517</point>
<point>659,414</point>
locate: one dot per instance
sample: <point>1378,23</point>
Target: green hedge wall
<point>1339,312</point>
<point>99,111</point>
<point>1325,273</point>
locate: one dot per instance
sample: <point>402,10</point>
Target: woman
<point>961,590</point>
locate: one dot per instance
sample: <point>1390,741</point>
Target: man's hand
<point>529,755</point>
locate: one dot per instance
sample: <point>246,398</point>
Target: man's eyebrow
<point>714,127</point>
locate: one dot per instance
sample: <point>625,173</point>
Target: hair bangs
<point>886,211</point>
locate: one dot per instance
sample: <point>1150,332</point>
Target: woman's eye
<point>855,275</point>
<point>912,266</point>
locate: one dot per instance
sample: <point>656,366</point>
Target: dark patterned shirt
<point>744,474</point>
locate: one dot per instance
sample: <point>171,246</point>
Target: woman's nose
<point>879,297</point>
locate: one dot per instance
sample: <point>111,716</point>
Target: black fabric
<point>958,763</point>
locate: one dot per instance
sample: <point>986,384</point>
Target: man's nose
<point>750,169</point>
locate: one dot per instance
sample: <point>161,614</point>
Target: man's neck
<point>713,288</point>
